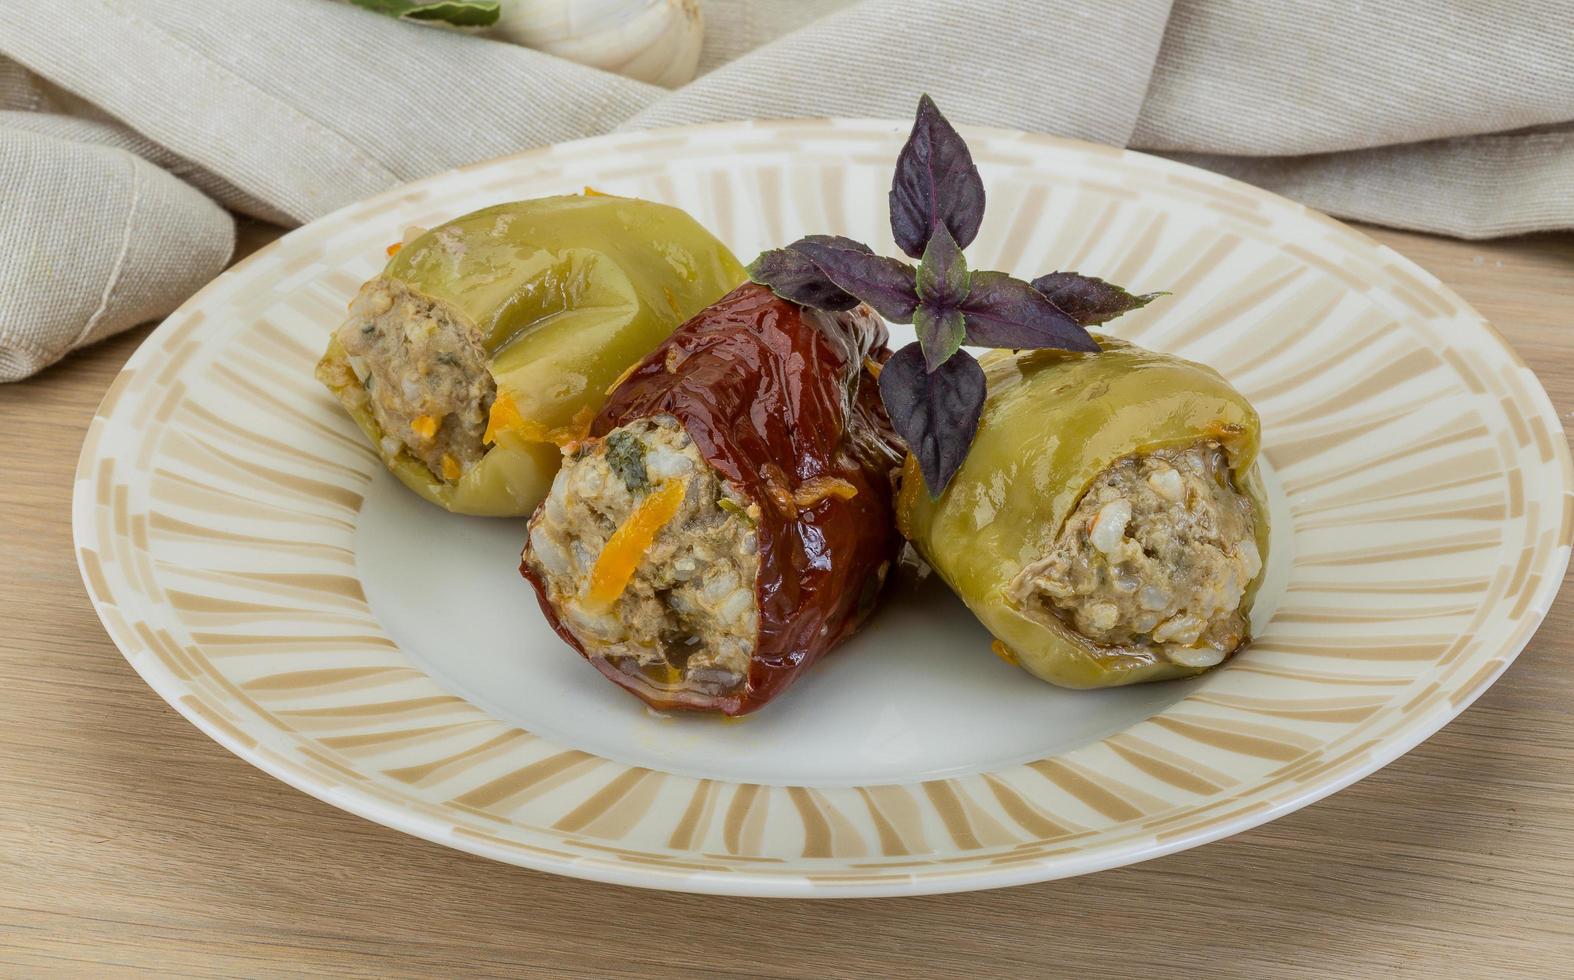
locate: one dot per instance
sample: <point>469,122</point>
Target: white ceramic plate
<point>272,583</point>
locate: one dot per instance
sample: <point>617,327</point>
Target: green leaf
<point>457,13</point>
<point>940,333</point>
<point>942,273</point>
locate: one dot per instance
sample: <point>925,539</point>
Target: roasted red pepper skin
<point>775,395</point>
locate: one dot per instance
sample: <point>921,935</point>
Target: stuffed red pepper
<point>730,518</point>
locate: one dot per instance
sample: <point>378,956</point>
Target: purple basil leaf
<point>1087,300</point>
<point>935,184</point>
<point>942,274</point>
<point>936,413</point>
<point>940,333</point>
<point>1004,312</point>
<point>794,277</point>
<point>837,241</point>
<point>884,283</point>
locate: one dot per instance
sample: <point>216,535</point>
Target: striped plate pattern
<point>1426,478</point>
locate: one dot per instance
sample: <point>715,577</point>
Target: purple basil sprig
<point>939,409</point>
<point>1006,312</point>
<point>932,389</point>
<point>942,289</point>
<point>935,184</point>
<point>885,284</point>
<point>794,276</point>
<point>1087,300</point>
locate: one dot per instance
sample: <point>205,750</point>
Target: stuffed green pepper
<point>489,342</point>
<point>1108,525</point>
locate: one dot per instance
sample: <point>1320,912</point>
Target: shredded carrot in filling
<point>627,373</point>
<point>424,426</point>
<point>873,367</point>
<point>782,499</point>
<point>627,547</point>
<point>505,417</point>
<point>451,468</point>
<point>816,489</point>
<point>592,192</point>
<point>393,249</point>
<point>1003,652</point>
<point>578,427</point>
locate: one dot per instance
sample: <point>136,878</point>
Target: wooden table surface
<point>129,840</point>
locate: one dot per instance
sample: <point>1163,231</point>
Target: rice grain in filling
<point>1156,557</point>
<point>688,615</point>
<point>423,375</point>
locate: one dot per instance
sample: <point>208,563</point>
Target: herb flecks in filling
<point>1156,557</point>
<point>687,616</point>
<point>626,457</point>
<point>422,374</point>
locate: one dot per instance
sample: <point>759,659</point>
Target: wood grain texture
<point>128,841</point>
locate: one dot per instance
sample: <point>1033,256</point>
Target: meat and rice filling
<point>1157,556</point>
<point>423,375</point>
<point>651,558</point>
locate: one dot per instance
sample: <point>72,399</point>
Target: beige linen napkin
<point>129,118</point>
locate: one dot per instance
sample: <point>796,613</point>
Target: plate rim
<point>745,883</point>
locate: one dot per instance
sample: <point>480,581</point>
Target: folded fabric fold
<point>132,121</point>
<point>1492,185</point>
<point>95,240</point>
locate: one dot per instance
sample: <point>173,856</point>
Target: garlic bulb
<point>656,41</point>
